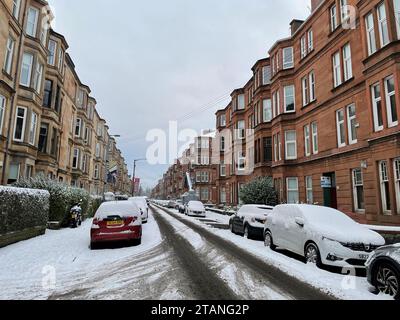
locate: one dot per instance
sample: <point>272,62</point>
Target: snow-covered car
<point>171,204</point>
<point>144,208</point>
<point>383,270</point>
<point>109,196</point>
<point>116,221</point>
<point>250,220</point>
<point>322,235</point>
<point>196,209</point>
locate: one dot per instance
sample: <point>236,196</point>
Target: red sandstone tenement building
<point>324,105</point>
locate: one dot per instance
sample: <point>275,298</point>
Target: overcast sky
<point>148,62</point>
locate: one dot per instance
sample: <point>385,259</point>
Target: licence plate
<point>114,223</point>
<point>364,256</point>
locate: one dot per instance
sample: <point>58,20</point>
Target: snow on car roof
<point>118,208</point>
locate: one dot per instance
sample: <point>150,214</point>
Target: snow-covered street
<point>179,258</point>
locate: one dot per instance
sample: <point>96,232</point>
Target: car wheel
<point>268,240</point>
<point>137,242</point>
<point>247,232</point>
<point>387,280</point>
<point>312,254</point>
<point>93,246</point>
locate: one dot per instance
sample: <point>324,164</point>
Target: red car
<point>116,221</point>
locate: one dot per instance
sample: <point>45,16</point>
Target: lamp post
<point>134,175</point>
<point>108,156</point>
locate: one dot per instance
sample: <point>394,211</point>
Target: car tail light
<point>95,224</point>
<point>131,221</point>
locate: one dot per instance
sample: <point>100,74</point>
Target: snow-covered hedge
<point>62,196</point>
<point>22,209</point>
<point>260,191</point>
<point>95,203</point>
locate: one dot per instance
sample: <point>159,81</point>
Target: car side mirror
<point>300,222</point>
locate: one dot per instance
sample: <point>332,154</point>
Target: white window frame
<point>396,164</point>
<point>333,16</point>
<point>290,142</point>
<point>241,161</point>
<point>288,190</point>
<point>266,75</point>
<point>33,129</point>
<point>384,178</point>
<point>314,134</point>
<point>371,37</point>
<point>78,123</point>
<point>307,141</point>
<point>2,112</point>
<point>241,104</point>
<point>241,130</point>
<point>351,121</point>
<point>347,63</point>
<point>303,46</point>
<point>222,169</point>
<point>356,184</point>
<point>309,189</point>
<point>396,6</point>
<point>311,84</point>
<point>96,171</point>
<point>305,90</point>
<point>267,110</point>
<point>337,69</point>
<point>388,95</point>
<point>27,67</point>
<point>310,40</point>
<point>9,56</point>
<point>275,147</point>
<point>286,96</point>
<point>383,25</point>
<point>16,8</point>
<point>23,124</point>
<point>288,58</point>
<point>76,155</point>
<point>52,47</point>
<point>38,77</point>
<point>340,125</point>
<point>343,11</point>
<point>375,102</point>
<point>30,23</point>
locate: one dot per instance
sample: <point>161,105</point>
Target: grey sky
<point>148,62</point>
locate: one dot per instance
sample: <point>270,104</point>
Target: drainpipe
<point>12,101</point>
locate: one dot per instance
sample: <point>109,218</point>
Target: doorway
<point>330,191</point>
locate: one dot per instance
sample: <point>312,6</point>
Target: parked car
<point>178,204</point>
<point>144,208</point>
<point>250,220</point>
<point>322,235</point>
<point>116,221</point>
<point>195,208</point>
<point>109,196</point>
<point>171,204</point>
<point>383,270</point>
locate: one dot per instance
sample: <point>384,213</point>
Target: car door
<point>276,226</point>
<point>239,226</point>
<point>295,233</point>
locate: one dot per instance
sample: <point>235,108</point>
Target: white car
<point>322,235</point>
<point>142,204</point>
<point>250,220</point>
<point>195,208</point>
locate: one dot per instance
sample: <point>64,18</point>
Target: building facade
<point>49,123</point>
<point>323,111</point>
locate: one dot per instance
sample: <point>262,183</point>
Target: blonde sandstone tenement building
<point>324,104</point>
<point>48,121</point>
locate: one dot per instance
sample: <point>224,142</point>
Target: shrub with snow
<point>62,197</point>
<point>22,209</point>
<point>259,191</point>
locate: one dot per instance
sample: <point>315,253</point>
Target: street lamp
<point>134,173</point>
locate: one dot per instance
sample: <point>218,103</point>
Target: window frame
<point>350,124</point>
<point>309,188</point>
<point>290,142</point>
<point>3,102</point>
<point>33,129</point>
<point>341,124</point>
<point>35,24</point>
<point>23,124</point>
<point>293,96</point>
<point>383,179</point>
<point>396,164</point>
<point>314,139</point>
<point>371,36</point>
<point>375,110</point>
<point>307,140</point>
<point>288,190</point>
<point>9,56</point>
<point>347,62</point>
<point>355,185</point>
<point>333,17</point>
<point>337,69</point>
<point>389,107</point>
<point>383,25</point>
<point>29,70</point>
<point>288,63</point>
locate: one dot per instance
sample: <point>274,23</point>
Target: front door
<point>330,191</point>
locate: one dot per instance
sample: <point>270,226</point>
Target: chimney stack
<point>315,4</point>
<point>294,25</point>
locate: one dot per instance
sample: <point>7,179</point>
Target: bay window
<point>292,186</point>
<point>2,112</point>
<point>26,69</point>
<point>289,98</point>
<point>78,127</point>
<point>241,161</point>
<point>371,39</point>
<point>267,110</point>
<point>75,158</point>
<point>352,124</point>
<point>19,126</point>
<point>52,47</point>
<point>241,102</point>
<point>348,69</point>
<point>337,72</point>
<point>340,125</point>
<point>290,145</point>
<point>383,25</point>
<point>377,107</point>
<point>32,21</point>
<point>288,61</point>
<point>37,79</point>
<point>391,102</point>
<point>307,141</point>
<point>266,75</point>
<point>16,8</point>
<point>32,129</point>
<point>241,129</point>
<point>9,55</point>
<point>43,136</point>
